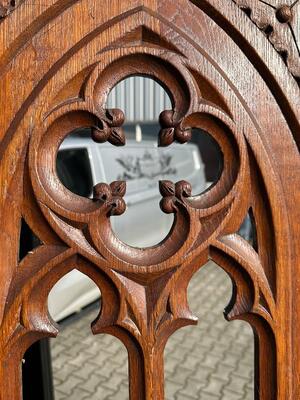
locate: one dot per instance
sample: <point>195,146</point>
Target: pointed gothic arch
<point>58,63</point>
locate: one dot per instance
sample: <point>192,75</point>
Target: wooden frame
<point>58,61</point>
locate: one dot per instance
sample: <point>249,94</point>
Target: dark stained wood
<point>59,59</point>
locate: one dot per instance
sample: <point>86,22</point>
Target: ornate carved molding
<point>280,22</point>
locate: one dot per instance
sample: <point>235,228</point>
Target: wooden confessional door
<point>231,68</point>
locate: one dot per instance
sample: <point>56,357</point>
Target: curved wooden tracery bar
<point>191,48</point>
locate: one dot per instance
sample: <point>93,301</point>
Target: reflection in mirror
<point>84,365</point>
<point>214,359</point>
<point>248,230</point>
<point>212,159</point>
<point>81,163</point>
<point>74,169</point>
<point>28,240</point>
<point>142,99</point>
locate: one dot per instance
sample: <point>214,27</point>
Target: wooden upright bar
<point>232,69</point>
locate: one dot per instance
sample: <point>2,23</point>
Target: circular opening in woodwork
<point>142,163</point>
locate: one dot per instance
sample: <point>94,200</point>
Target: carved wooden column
<point>58,62</point>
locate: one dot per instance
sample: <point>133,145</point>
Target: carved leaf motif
<point>118,207</point>
<point>116,117</point>
<point>172,129</point>
<point>101,135</point>
<point>109,127</point>
<point>117,137</point>
<point>183,135</point>
<point>171,192</point>
<point>102,191</point>
<point>112,195</point>
<point>167,205</point>
<point>183,188</point>
<point>166,188</point>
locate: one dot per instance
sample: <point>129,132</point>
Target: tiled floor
<point>211,361</point>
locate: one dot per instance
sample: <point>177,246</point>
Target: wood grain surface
<point>59,59</point>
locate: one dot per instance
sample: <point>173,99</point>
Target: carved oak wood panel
<point>58,62</point>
